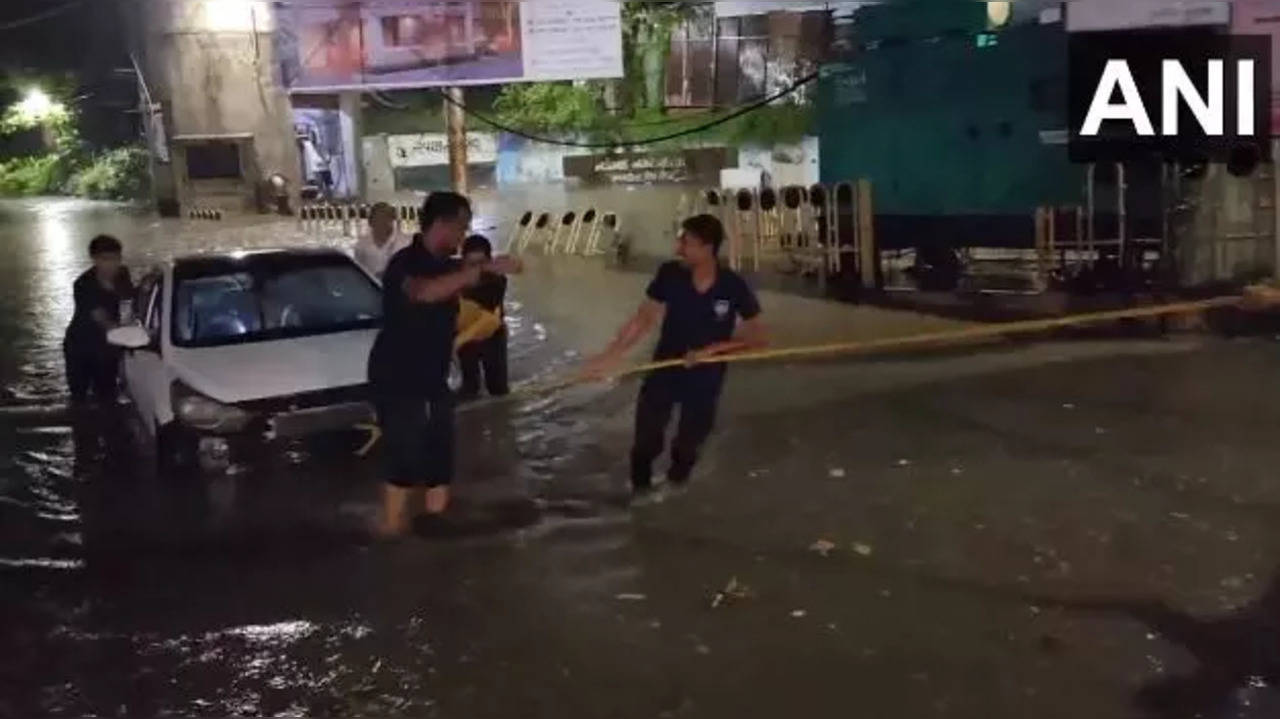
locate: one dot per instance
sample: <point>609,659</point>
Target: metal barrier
<point>570,233</point>
<point>608,225</point>
<point>204,213</point>
<point>523,226</point>
<point>352,219</point>
<point>586,223</point>
<point>568,221</point>
<point>744,228</point>
<point>534,231</point>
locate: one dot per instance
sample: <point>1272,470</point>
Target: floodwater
<point>1064,529</point>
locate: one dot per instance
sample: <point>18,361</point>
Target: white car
<point>237,349</point>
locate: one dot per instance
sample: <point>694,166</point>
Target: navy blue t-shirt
<point>90,295</point>
<point>695,319</point>
<point>412,353</point>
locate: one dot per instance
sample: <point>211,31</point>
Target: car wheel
<point>175,451</point>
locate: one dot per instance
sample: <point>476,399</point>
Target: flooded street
<point>1052,530</point>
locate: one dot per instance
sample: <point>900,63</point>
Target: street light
<point>37,107</point>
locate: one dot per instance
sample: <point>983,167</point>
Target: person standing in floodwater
<point>410,360</point>
<point>374,250</point>
<point>488,353</point>
<point>92,364</point>
<point>699,304</point>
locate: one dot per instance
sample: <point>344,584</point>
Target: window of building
<point>213,161</point>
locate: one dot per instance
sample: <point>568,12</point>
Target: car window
<point>142,301</point>
<point>227,301</point>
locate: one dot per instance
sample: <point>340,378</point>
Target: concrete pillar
<point>349,113</point>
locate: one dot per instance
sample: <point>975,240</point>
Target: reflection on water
<point>101,558</point>
<point>1045,468</point>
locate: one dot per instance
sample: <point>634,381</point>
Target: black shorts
<point>417,436</point>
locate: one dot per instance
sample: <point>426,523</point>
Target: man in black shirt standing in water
<point>409,362</point>
<point>698,303</point>
<point>93,364</point>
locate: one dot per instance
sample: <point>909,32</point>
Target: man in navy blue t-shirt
<point>409,361</point>
<point>699,304</point>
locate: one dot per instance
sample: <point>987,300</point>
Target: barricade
<point>523,225</point>
<point>564,229</point>
<point>204,213</point>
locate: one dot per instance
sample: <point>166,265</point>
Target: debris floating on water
<point>862,549</point>
<point>904,463</point>
<point>822,547</point>
<point>630,597</point>
<point>798,614</point>
<point>836,472</point>
<point>732,591</point>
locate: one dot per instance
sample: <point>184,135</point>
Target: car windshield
<point>221,301</point>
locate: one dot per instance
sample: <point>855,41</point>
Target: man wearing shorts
<point>409,362</point>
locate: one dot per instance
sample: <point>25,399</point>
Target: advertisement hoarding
<point>333,45</point>
<point>1262,17</point>
<point>1104,15</point>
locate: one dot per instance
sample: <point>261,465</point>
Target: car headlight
<point>200,412</point>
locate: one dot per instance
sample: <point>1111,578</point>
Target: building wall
<point>1227,234</point>
<point>209,63</point>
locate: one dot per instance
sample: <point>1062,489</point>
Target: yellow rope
<point>886,343</point>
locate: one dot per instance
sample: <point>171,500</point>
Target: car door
<point>144,368</point>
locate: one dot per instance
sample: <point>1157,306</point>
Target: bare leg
<point>395,505</point>
<point>437,500</point>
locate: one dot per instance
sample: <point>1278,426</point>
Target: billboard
<point>741,8</point>
<point>1262,17</point>
<point>332,45</point>
<point>1104,15</point>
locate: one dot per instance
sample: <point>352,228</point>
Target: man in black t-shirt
<point>699,304</point>
<point>93,365</point>
<point>409,362</point>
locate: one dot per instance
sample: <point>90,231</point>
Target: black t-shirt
<point>415,346</point>
<point>90,295</point>
<point>490,291</point>
<point>695,320</point>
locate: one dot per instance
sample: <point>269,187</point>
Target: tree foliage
<point>646,44</point>
<point>551,106</point>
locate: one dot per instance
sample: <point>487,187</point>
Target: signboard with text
<point>335,45</point>
<point>701,165</point>
<point>1262,17</point>
<point>1105,15</point>
<point>432,148</point>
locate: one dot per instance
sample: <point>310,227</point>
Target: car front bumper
<point>217,453</point>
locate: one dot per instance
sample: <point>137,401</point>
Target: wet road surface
<point>1033,530</point>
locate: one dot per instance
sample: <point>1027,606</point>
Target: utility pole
<point>456,127</point>
<point>1275,204</point>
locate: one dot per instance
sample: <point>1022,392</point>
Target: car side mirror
<point>132,337</point>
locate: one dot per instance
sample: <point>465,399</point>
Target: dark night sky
<point>88,42</point>
<point>88,38</point>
